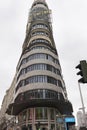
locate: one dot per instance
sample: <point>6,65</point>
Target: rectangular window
<point>44,96</point>
<point>30,114</point>
<point>59,83</point>
<point>20,117</point>
<point>52,114</point>
<point>23,61</point>
<point>26,81</point>
<point>41,113</point>
<point>24,115</point>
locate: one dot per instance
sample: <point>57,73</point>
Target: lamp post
<point>83,73</point>
<point>83,108</point>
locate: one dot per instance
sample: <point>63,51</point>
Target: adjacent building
<point>40,99</point>
<point>81,121</point>
<point>8,99</point>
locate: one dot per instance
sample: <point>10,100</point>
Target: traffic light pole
<point>83,108</point>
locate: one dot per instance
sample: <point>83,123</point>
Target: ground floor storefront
<point>39,118</point>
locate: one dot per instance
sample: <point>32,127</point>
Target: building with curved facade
<point>40,92</point>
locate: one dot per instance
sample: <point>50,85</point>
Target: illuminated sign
<point>70,119</point>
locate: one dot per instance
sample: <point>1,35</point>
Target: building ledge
<point>64,107</point>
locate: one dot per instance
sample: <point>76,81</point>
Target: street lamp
<point>83,108</point>
<point>83,73</point>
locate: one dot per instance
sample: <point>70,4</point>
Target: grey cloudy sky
<point>69,19</point>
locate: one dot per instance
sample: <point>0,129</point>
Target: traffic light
<point>83,71</point>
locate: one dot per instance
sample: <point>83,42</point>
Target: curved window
<point>26,114</point>
<point>39,67</point>
<point>22,116</point>
<point>40,94</point>
<point>42,47</point>
<point>39,26</point>
<point>39,56</point>
<point>40,41</point>
<point>39,79</point>
<point>39,3</point>
<point>41,113</point>
<point>39,33</point>
<point>39,47</point>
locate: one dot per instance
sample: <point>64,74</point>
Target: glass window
<point>40,78</point>
<point>52,114</point>
<point>58,72</point>
<point>30,114</point>
<point>44,94</point>
<point>24,115</point>
<point>61,96</point>
<point>52,126</point>
<point>39,67</point>
<point>59,83</point>
<point>38,56</point>
<point>49,67</point>
<point>36,94</point>
<point>39,41</point>
<point>45,79</point>
<point>58,96</point>
<point>23,61</point>
<point>41,113</point>
<point>38,113</point>
<point>47,94</point>
<point>26,81</point>
<point>57,61</point>
<point>20,117</point>
<point>44,113</point>
<point>39,33</point>
<point>36,79</point>
<point>39,94</point>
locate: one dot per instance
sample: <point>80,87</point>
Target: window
<point>59,83</point>
<point>51,58</point>
<point>23,61</point>
<point>24,114</point>
<point>58,96</point>
<point>40,41</point>
<point>40,94</point>
<point>52,114</point>
<point>39,33</point>
<point>39,79</point>
<point>39,56</point>
<point>51,80</point>
<point>30,114</point>
<point>49,67</point>
<point>40,66</point>
<point>39,26</point>
<point>58,72</point>
<point>41,113</point>
<point>61,97</point>
<point>52,126</point>
<point>20,117</point>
